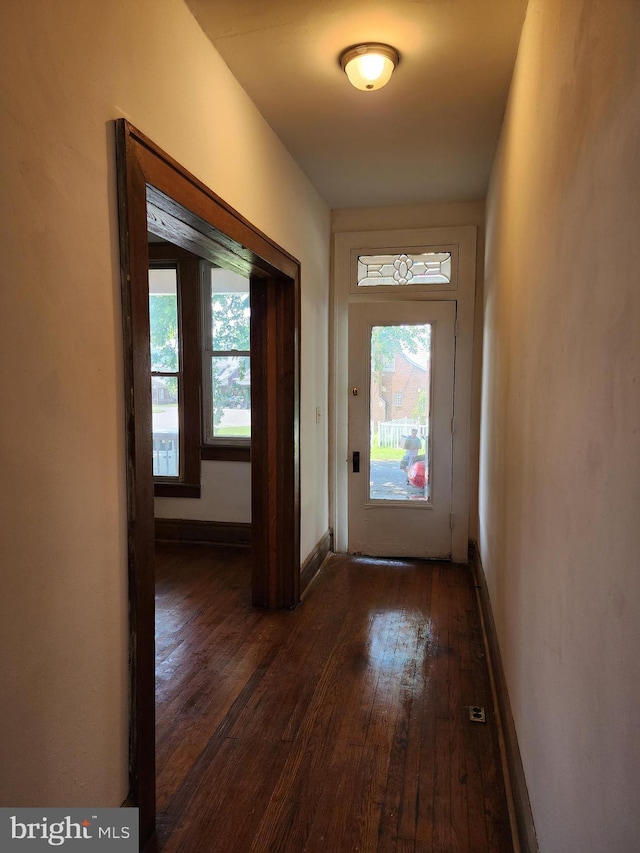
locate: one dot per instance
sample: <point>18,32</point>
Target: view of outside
<point>165,369</point>
<point>400,412</point>
<point>229,378</point>
<point>230,415</point>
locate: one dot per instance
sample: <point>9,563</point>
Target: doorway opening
<point>157,195</point>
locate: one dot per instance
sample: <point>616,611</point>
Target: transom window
<point>404,269</point>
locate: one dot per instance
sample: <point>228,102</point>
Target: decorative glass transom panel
<point>426,268</point>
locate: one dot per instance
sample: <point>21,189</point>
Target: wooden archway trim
<point>156,193</point>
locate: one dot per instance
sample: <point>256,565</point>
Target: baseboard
<point>316,558</point>
<point>190,530</point>
<point>516,778</point>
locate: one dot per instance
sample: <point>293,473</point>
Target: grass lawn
<point>235,430</point>
<point>385,454</point>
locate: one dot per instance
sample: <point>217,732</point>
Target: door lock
<point>355,391</point>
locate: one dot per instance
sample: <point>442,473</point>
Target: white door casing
<point>348,246</point>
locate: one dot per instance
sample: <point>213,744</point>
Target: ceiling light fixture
<point>369,66</point>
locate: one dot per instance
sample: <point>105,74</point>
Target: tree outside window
<point>227,364</point>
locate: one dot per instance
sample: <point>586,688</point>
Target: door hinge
<point>451,520</point>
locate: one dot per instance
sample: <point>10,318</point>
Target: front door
<point>401,375</point>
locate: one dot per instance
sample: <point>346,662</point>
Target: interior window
<point>226,364</point>
<point>174,343</point>
<point>165,370</point>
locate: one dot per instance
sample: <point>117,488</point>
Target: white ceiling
<point>429,136</point>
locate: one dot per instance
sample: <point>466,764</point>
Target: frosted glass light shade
<point>369,66</point>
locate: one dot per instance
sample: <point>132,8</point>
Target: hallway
<point>340,726</point>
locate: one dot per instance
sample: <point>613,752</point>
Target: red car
<point>416,475</point>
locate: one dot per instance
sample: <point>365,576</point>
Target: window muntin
<point>226,364</point>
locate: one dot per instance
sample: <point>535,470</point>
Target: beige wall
<point>67,70</point>
<point>225,495</point>
<point>435,216</point>
<point>560,449</point>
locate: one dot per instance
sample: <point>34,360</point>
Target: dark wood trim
<point>286,442</point>
<point>176,490</point>
<point>168,252</point>
<point>156,194</point>
<point>316,558</point>
<point>192,530</point>
<point>166,177</point>
<point>163,223</point>
<point>189,273</point>
<point>134,264</point>
<point>275,440</point>
<point>519,794</point>
<point>151,845</point>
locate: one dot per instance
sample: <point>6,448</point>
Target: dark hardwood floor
<point>340,726</point>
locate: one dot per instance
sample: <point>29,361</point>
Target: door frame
<point>155,193</point>
<point>461,241</point>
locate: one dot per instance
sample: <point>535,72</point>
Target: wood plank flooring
<point>340,726</point>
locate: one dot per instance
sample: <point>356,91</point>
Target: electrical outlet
<point>477,714</point>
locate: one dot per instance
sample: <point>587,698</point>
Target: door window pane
<point>400,413</point>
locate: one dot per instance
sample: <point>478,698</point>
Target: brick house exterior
<point>397,396</point>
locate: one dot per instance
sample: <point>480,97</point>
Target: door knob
<point>355,391</point>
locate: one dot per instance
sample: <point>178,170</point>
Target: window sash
<point>211,440</point>
<point>186,439</point>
